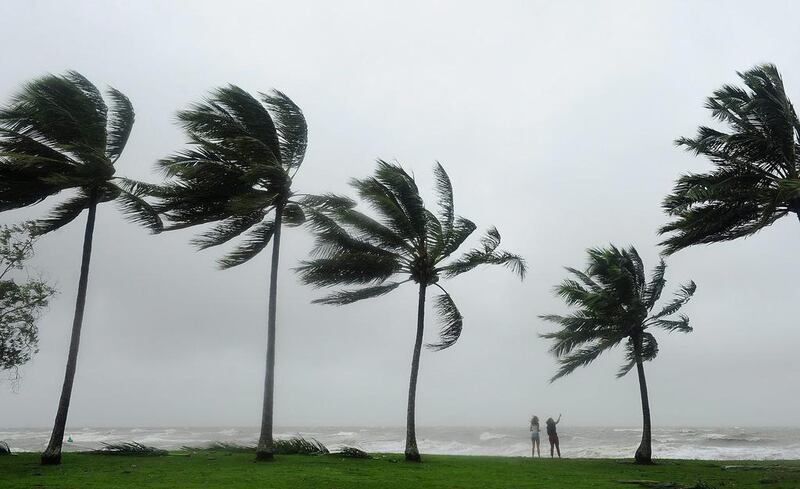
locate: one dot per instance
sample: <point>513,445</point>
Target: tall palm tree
<point>406,240</point>
<point>238,174</point>
<point>58,134</point>
<point>614,303</point>
<point>757,165</point>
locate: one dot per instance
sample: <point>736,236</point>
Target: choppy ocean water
<point>576,442</point>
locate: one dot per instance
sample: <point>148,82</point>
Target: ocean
<point>576,442</point>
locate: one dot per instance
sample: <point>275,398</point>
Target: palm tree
<point>407,240</point>
<point>757,161</point>
<point>58,134</point>
<point>238,174</point>
<point>614,303</point>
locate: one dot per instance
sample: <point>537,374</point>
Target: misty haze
<point>555,122</point>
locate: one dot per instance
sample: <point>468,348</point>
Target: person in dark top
<point>553,436</point>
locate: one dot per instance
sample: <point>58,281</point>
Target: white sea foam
<point>591,442</point>
<point>486,436</point>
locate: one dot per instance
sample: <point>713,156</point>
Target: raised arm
<point>559,418</point>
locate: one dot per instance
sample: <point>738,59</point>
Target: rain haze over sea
<point>576,442</point>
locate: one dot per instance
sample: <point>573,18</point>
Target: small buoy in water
<point>69,439</point>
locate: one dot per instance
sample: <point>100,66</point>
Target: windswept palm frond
<point>755,180</point>
<point>256,240</point>
<point>681,297</point>
<point>64,213</point>
<point>452,322</point>
<point>681,324</point>
<point>226,230</point>
<point>486,255</point>
<point>350,296</point>
<point>290,126</point>
<point>58,134</point>
<point>136,208</point>
<point>579,357</point>
<point>444,189</point>
<point>237,170</point>
<point>120,123</point>
<point>350,268</point>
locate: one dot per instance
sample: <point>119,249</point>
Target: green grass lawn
<point>234,471</point>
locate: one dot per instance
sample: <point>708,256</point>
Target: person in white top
<point>535,436</point>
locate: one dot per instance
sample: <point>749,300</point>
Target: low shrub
<point>352,452</point>
<point>130,448</point>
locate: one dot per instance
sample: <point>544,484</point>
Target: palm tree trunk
<point>412,453</point>
<point>52,454</point>
<point>266,449</point>
<point>644,452</point>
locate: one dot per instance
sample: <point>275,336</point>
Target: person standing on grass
<point>535,445</point>
<point>553,436</point>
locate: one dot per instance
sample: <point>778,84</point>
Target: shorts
<point>534,436</point>
<point>553,439</point>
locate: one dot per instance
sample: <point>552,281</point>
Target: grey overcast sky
<point>556,122</point>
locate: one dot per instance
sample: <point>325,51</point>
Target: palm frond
<point>64,213</point>
<point>374,232</point>
<point>236,170</point>
<point>385,203</point>
<point>405,192</point>
<point>350,296</point>
<point>578,358</point>
<point>327,202</point>
<point>649,351</point>
<point>348,269</point>
<point>332,238</point>
<point>459,232</point>
<point>452,322</point>
<point>753,161</point>
<point>236,121</point>
<point>487,255</point>
<point>290,126</point>
<point>120,124</point>
<point>130,199</point>
<point>656,285</point>
<point>52,138</point>
<point>681,324</point>
<point>256,240</point>
<point>226,230</point>
<point>444,189</point>
<point>681,297</point>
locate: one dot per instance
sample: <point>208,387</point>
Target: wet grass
<point>212,469</point>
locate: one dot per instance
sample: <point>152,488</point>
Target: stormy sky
<point>556,122</point>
